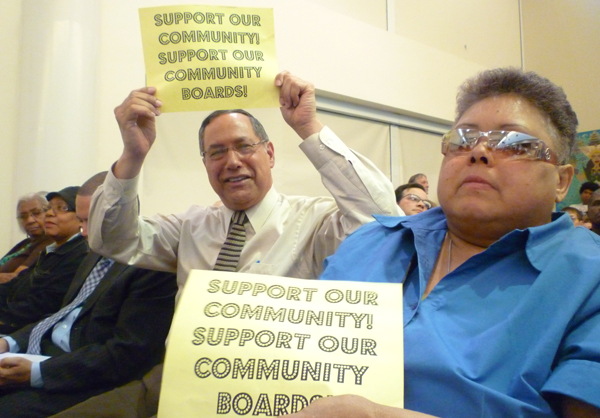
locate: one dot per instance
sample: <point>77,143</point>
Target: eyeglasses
<point>417,199</point>
<point>59,208</point>
<point>36,213</point>
<point>505,144</point>
<point>242,149</point>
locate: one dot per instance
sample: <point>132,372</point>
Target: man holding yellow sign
<point>282,235</point>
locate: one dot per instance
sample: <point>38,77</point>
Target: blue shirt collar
<point>535,239</point>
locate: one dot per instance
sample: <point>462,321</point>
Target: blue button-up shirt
<point>515,323</point>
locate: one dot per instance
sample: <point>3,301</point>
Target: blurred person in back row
<point>31,212</point>
<point>412,198</point>
<point>575,215</point>
<point>594,212</point>
<point>501,296</point>
<point>585,194</point>
<point>421,179</point>
<point>110,329</point>
<point>39,290</point>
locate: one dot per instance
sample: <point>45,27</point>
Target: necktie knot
<point>239,217</point>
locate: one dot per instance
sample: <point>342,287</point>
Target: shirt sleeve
<point>577,373</point>
<point>116,230</point>
<point>36,375</point>
<point>13,345</point>
<point>359,188</point>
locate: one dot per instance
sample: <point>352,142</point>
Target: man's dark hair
<point>89,187</point>
<point>547,97</point>
<point>589,185</point>
<point>400,190</point>
<point>257,127</point>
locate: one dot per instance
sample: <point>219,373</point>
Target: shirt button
<point>64,326</point>
<point>321,147</point>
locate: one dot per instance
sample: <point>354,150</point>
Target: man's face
<point>481,187</point>
<point>60,224</point>
<point>573,215</point>
<point>409,205</point>
<point>594,210</point>
<point>82,212</point>
<point>240,181</point>
<point>585,196</point>
<point>31,216</point>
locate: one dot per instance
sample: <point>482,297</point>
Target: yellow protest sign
<point>210,57</point>
<point>256,345</point>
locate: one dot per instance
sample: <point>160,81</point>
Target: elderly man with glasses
<point>38,291</point>
<point>501,295</point>
<point>282,235</point>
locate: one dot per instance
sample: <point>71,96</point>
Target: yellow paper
<point>256,345</point>
<point>210,57</point>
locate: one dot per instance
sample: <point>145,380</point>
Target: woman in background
<point>31,212</point>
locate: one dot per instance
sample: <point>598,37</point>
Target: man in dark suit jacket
<point>118,336</point>
<point>115,334</point>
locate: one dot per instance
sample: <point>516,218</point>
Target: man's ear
<point>271,154</point>
<point>565,177</point>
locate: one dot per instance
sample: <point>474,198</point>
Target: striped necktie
<point>92,280</point>
<point>232,247</point>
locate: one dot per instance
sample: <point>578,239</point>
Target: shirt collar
<point>432,219</point>
<point>536,240</point>
<point>52,247</point>
<point>259,213</point>
<point>540,248</point>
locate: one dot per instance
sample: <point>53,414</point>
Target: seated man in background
<point>575,215</point>
<point>585,193</point>
<point>38,291</point>
<point>412,199</point>
<point>421,179</point>
<point>594,212</point>
<point>31,212</point>
<point>111,329</point>
<point>501,296</point>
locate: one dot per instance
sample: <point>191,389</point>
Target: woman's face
<point>61,223</point>
<point>31,216</point>
<point>480,185</point>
